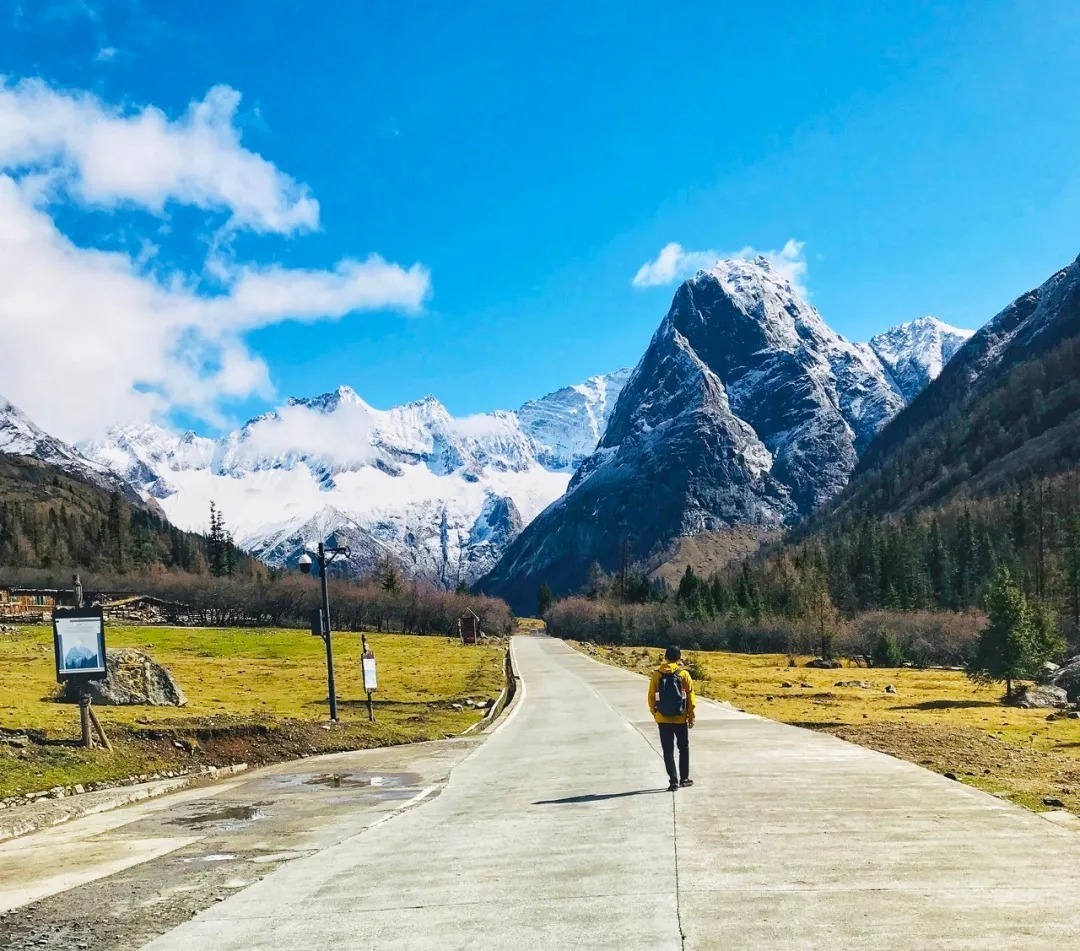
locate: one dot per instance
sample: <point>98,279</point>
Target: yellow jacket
<point>688,685</point>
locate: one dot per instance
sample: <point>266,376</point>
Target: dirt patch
<point>1026,776</point>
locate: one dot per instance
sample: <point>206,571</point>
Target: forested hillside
<point>49,519</point>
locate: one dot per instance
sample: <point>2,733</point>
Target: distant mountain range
<point>439,496</point>
<point>745,409</point>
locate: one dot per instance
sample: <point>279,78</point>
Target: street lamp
<point>324,556</point>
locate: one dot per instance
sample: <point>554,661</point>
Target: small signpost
<point>469,627</point>
<point>79,647</point>
<point>371,682</point>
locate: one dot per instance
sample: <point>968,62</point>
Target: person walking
<point>672,702</point>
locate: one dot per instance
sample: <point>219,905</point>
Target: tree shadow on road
<point>598,797</point>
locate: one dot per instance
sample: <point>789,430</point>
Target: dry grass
<point>936,718</point>
<point>254,694</point>
<point>709,552</point>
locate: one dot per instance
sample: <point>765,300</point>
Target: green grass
<point>252,694</point>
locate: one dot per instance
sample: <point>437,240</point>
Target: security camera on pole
<point>324,556</point>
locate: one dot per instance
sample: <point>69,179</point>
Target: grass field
<point>253,695</point>
<point>937,718</point>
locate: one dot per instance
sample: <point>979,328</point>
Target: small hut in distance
<point>469,627</point>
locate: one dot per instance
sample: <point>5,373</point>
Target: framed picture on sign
<point>79,643</point>
<point>371,683</point>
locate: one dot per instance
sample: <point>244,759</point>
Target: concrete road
<point>555,833</point>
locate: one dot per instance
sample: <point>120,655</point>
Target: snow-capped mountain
<point>566,426</point>
<point>21,436</point>
<point>441,495</point>
<point>915,353</point>
<point>1029,328</point>
<point>745,409</point>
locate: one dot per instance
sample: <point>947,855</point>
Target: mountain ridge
<point>746,409</point>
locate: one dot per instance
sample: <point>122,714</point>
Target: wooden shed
<point>31,604</point>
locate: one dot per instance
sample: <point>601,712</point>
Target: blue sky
<point>529,158</point>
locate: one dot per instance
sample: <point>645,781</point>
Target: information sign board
<point>79,643</point>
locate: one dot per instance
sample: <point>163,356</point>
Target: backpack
<point>671,695</point>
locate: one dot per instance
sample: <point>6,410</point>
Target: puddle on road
<point>375,782</point>
<point>223,814</point>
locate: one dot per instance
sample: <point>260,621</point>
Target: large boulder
<point>1067,678</point>
<point>823,663</point>
<point>134,679</point>
<point>1038,696</point>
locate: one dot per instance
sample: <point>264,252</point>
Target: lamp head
<point>337,544</point>
<point>305,563</point>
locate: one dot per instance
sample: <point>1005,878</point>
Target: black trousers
<point>669,733</point>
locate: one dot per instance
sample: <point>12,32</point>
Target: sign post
<point>79,647</point>
<point>371,683</point>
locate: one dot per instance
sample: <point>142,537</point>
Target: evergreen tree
<point>1072,569</point>
<point>116,532</point>
<point>1006,649</point>
<point>689,586</point>
<point>887,652</point>
<point>217,544</point>
<point>391,580</point>
<point>938,567</point>
<point>966,560</point>
<point>544,600</point>
<point>1047,643</point>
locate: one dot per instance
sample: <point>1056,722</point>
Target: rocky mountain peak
<point>745,409</point>
<point>915,352</point>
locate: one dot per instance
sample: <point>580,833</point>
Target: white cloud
<point>105,158</point>
<point>675,263</point>
<point>93,337</point>
<point>106,54</point>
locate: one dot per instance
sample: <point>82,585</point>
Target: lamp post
<point>324,556</point>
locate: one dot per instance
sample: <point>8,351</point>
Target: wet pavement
<point>117,880</point>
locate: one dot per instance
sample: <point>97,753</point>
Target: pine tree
<point>1006,649</point>
<point>938,567</point>
<point>391,580</point>
<point>689,586</point>
<point>966,560</point>
<point>216,544</point>
<point>544,600</point>
<point>1072,569</point>
<point>887,652</point>
<point>1047,643</point>
<point>116,532</point>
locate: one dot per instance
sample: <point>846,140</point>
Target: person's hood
<point>668,667</point>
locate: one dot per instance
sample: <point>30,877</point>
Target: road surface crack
<point>678,891</point>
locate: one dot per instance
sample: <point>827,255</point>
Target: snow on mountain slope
<point>443,496</point>
<point>916,352</point>
<point>566,426</point>
<point>20,436</point>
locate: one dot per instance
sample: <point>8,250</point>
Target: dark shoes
<point>674,787</point>
<point>687,782</point>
